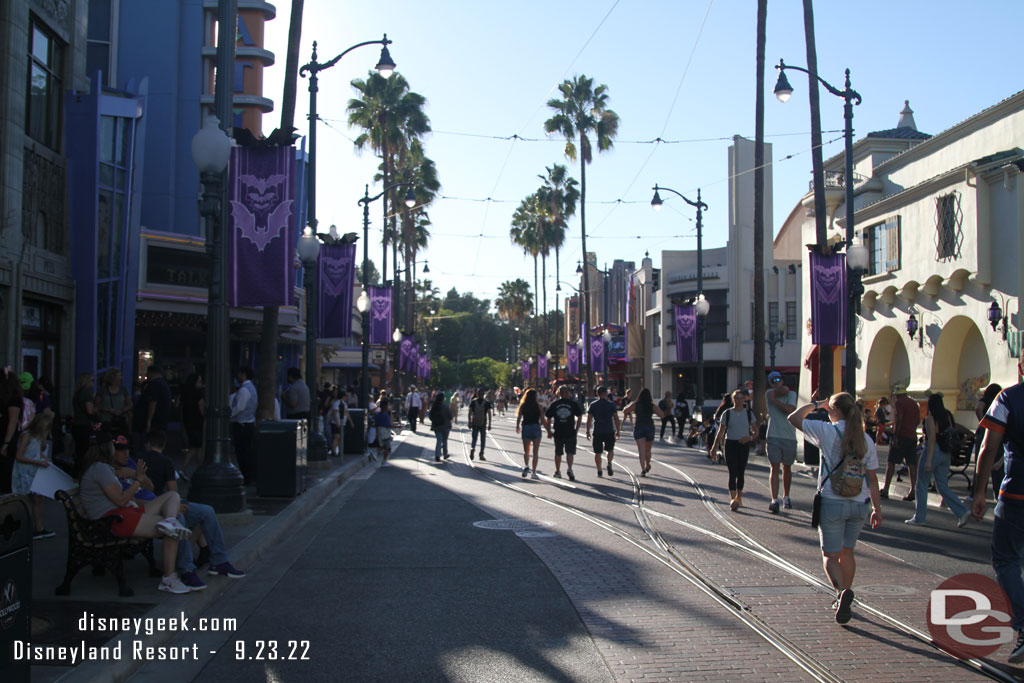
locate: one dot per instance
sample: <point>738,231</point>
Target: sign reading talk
<point>178,267</point>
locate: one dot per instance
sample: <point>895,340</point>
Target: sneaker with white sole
<point>526,472</point>
<point>168,527</point>
<point>786,504</point>
<point>226,569</point>
<point>1017,656</point>
<point>773,507</point>
<point>962,520</point>
<point>572,477</point>
<point>172,584</point>
<point>557,475</point>
<point>914,520</point>
<point>193,582</point>
<point>534,476</point>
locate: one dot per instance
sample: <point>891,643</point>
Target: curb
<point>247,552</point>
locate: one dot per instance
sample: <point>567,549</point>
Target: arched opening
<point>888,363</point>
<point>960,367</point>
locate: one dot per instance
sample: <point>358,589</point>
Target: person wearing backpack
<point>737,430</point>
<point>941,439</point>
<point>847,481</point>
<point>479,421</point>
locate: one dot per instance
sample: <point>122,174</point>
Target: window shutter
<point>892,246</point>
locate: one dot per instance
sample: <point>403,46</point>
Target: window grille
<point>949,235</point>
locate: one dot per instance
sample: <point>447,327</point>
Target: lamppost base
<point>219,485</point>
<point>316,447</point>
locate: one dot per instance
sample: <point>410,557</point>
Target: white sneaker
<point>172,584</point>
<point>534,476</point>
<point>183,532</point>
<point>168,527</point>
<point>786,503</point>
<point>962,520</point>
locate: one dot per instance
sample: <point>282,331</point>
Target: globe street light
<point>363,303</point>
<point>702,304</point>
<point>218,482</point>
<point>775,338</point>
<point>783,91</point>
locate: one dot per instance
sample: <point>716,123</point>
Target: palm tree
<point>526,233</point>
<point>415,168</point>
<point>759,330</point>
<point>514,301</point>
<point>390,116</point>
<point>558,198</point>
<point>581,113</point>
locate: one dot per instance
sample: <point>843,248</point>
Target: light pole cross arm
<point>367,199</point>
<point>846,94</point>
<point>315,67</point>
<point>695,204</point>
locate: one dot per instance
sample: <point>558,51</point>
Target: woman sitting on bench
<point>102,496</point>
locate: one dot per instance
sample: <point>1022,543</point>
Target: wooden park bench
<point>92,542</point>
<point>961,460</point>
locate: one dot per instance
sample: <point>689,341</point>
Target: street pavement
<point>393,576</point>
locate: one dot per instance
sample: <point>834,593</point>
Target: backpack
<point>725,420</point>
<point>950,439</point>
<point>478,413</point>
<point>847,477</point>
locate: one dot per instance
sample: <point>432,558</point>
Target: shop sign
<point>178,267</point>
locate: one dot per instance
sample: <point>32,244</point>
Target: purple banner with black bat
<point>260,237</point>
<point>685,318</point>
<point>542,367</point>
<point>336,274</point>
<point>405,354</point>
<point>524,366</point>
<point>423,367</point>
<point>572,359</point>
<point>597,354</point>
<point>414,359</point>
<point>380,314</point>
<point>828,299</point>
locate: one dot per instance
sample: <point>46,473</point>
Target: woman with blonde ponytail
<point>846,454</point>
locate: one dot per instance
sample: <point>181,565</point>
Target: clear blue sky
<point>679,70</point>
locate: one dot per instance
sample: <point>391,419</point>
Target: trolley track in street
<point>655,545</point>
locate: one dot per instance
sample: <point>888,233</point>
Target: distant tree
<point>374,274</point>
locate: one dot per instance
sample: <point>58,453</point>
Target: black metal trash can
<point>812,455</point>
<point>355,434</point>
<point>281,457</point>
<point>15,585</point>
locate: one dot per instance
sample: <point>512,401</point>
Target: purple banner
<point>405,354</point>
<point>572,359</point>
<point>828,299</point>
<point>414,359</point>
<point>380,314</point>
<point>336,274</point>
<point>542,367</point>
<point>261,242</point>
<point>686,333</point>
<point>524,367</point>
<point>423,367</point>
<point>597,354</point>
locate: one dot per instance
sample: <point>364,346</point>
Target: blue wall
<point>163,39</point>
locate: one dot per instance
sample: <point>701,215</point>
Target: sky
<point>682,71</point>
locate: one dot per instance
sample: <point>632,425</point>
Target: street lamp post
<point>363,303</point>
<point>775,338</point>
<point>218,482</point>
<point>309,249</point>
<point>783,91</point>
<point>703,305</point>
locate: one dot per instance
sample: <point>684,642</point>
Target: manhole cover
<point>535,533</point>
<point>509,524</point>
<point>885,590</point>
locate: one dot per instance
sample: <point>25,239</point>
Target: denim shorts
<point>531,432</point>
<point>841,523</point>
<point>644,432</point>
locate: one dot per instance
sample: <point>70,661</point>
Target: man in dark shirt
<point>605,418</point>
<point>162,473</point>
<point>566,416</point>
<point>479,421</point>
<point>903,447</point>
<point>1004,425</point>
<point>156,400</point>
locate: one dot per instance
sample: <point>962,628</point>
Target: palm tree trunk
<point>817,168</point>
<point>544,285</point>
<point>759,331</point>
<point>586,279</point>
<point>558,347</point>
<point>272,314</point>
<point>533,331</point>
